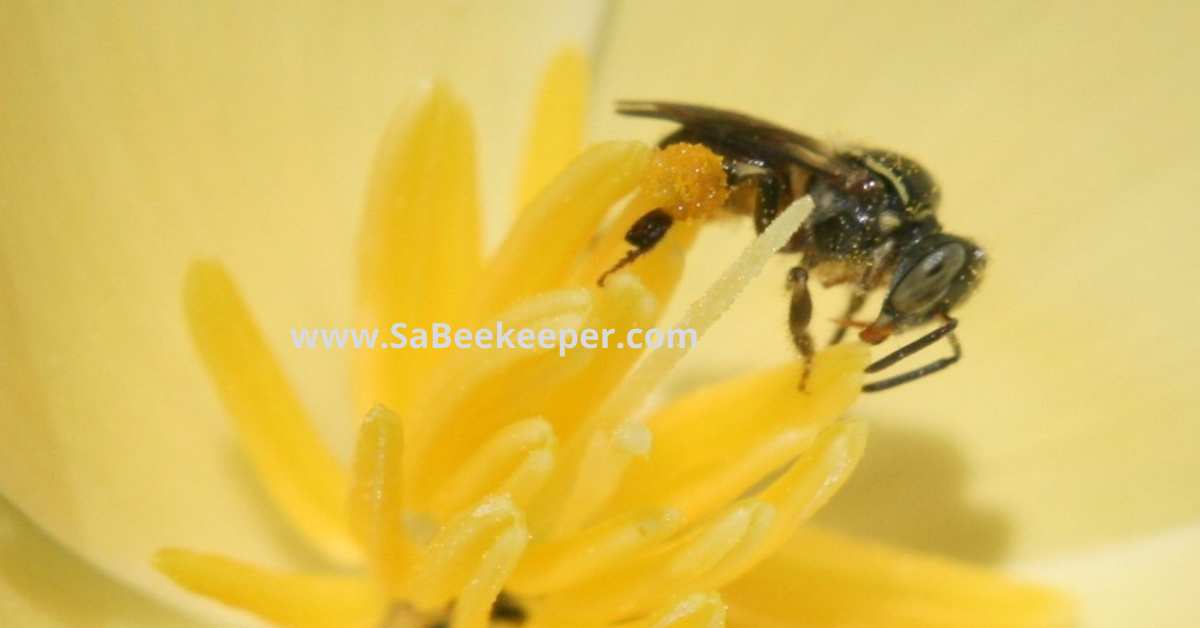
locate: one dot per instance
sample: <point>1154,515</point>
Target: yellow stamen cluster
<point>519,474</point>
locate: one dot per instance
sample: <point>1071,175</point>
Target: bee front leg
<point>799,316</point>
<point>646,232</point>
<point>872,277</point>
<point>857,299</point>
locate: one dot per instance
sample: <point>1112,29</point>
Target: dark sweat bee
<point>874,226</point>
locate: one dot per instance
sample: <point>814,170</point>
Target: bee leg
<point>799,315</point>
<point>857,299</point>
<point>646,232</point>
<point>874,274</point>
<point>946,330</point>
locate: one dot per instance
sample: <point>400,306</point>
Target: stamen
<point>574,501</point>
<point>480,391</point>
<point>515,462</point>
<point>376,504</point>
<point>717,443</point>
<point>297,469</point>
<point>566,561</point>
<point>483,542</point>
<point>419,246</point>
<point>814,478</point>
<point>544,245</point>
<point>293,600</point>
<point>640,585</point>
<point>556,135</point>
<point>698,610</point>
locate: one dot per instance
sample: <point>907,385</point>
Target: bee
<point>873,226</point>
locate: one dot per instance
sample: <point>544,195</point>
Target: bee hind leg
<point>646,232</point>
<point>799,316</point>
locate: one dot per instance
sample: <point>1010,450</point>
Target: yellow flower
<point>521,483</point>
<point>471,495</point>
<point>1075,144</point>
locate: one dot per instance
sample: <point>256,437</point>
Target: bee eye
<point>929,279</point>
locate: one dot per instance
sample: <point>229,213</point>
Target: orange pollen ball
<point>686,180</point>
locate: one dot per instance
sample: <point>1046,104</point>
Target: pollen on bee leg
<point>686,180</point>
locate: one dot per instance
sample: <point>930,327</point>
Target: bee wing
<point>744,132</point>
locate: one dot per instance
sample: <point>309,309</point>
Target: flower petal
<point>44,585</point>
<point>1163,593</point>
<point>823,579</point>
<point>292,600</point>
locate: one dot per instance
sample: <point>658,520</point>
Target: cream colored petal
<point>824,579</point>
<point>419,248</point>
<point>140,136</point>
<point>1163,593</point>
<point>44,585</point>
<point>1064,138</point>
<point>285,599</point>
